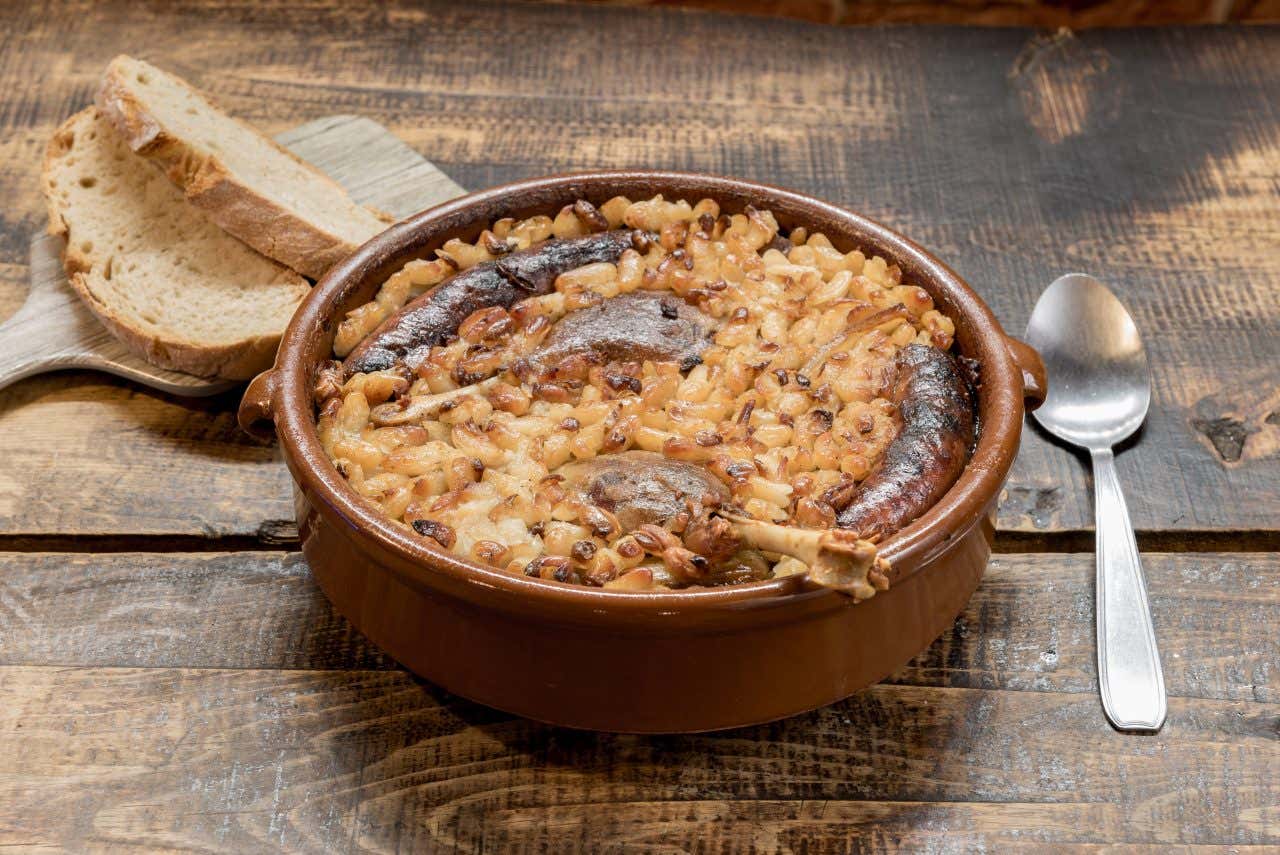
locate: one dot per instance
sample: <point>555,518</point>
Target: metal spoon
<point>1098,396</point>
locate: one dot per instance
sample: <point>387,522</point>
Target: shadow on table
<point>411,765</point>
<point>429,769</point>
<point>205,427</point>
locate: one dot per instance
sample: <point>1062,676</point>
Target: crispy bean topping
<point>489,552</point>
<point>439,532</point>
<point>592,220</point>
<point>606,394</point>
<point>485,325</point>
<point>496,245</point>
<point>708,438</point>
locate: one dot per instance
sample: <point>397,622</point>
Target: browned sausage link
<point>935,406</point>
<point>433,318</point>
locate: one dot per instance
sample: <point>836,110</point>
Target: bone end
<point>849,565</point>
<point>838,559</point>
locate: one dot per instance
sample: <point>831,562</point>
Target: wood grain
<point>215,760</point>
<point>215,702</point>
<point>1028,628</point>
<point>372,164</point>
<point>1147,157</point>
<point>133,461</point>
<point>991,13</point>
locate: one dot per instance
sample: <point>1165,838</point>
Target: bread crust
<point>272,230</point>
<point>239,360</point>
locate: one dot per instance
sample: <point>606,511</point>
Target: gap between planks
<point>280,535</point>
<point>892,682</point>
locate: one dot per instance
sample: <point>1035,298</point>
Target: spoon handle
<point>1128,661</point>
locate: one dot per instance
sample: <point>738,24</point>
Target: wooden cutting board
<point>54,330</point>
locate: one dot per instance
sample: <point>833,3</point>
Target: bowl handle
<point>1035,384</point>
<point>256,415</point>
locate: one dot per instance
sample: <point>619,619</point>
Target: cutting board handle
<point>23,344</point>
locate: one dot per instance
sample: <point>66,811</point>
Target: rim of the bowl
<point>914,546</point>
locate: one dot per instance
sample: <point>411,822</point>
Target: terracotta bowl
<point>623,661</point>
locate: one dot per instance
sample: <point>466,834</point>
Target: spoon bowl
<point>1091,348</point>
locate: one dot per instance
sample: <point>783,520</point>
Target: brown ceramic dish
<point>622,661</point>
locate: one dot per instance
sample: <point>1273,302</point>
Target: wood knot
<point>1227,435</point>
<point>1038,504</point>
<point>1063,86</point>
<point>1241,423</point>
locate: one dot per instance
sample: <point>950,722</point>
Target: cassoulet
<point>651,395</point>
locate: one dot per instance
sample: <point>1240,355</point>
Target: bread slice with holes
<point>252,187</point>
<point>176,289</point>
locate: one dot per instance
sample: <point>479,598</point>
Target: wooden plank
<point>155,610</point>
<point>1029,627</point>
<point>1147,157</point>
<point>119,459</point>
<point>218,760</point>
<point>988,13</point>
<point>374,166</point>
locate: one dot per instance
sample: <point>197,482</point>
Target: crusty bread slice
<point>256,190</point>
<point>175,288</point>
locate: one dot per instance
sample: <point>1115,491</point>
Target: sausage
<point>639,326</point>
<point>433,318</point>
<point>935,407</point>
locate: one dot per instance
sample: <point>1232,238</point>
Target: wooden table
<point>172,678</point>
